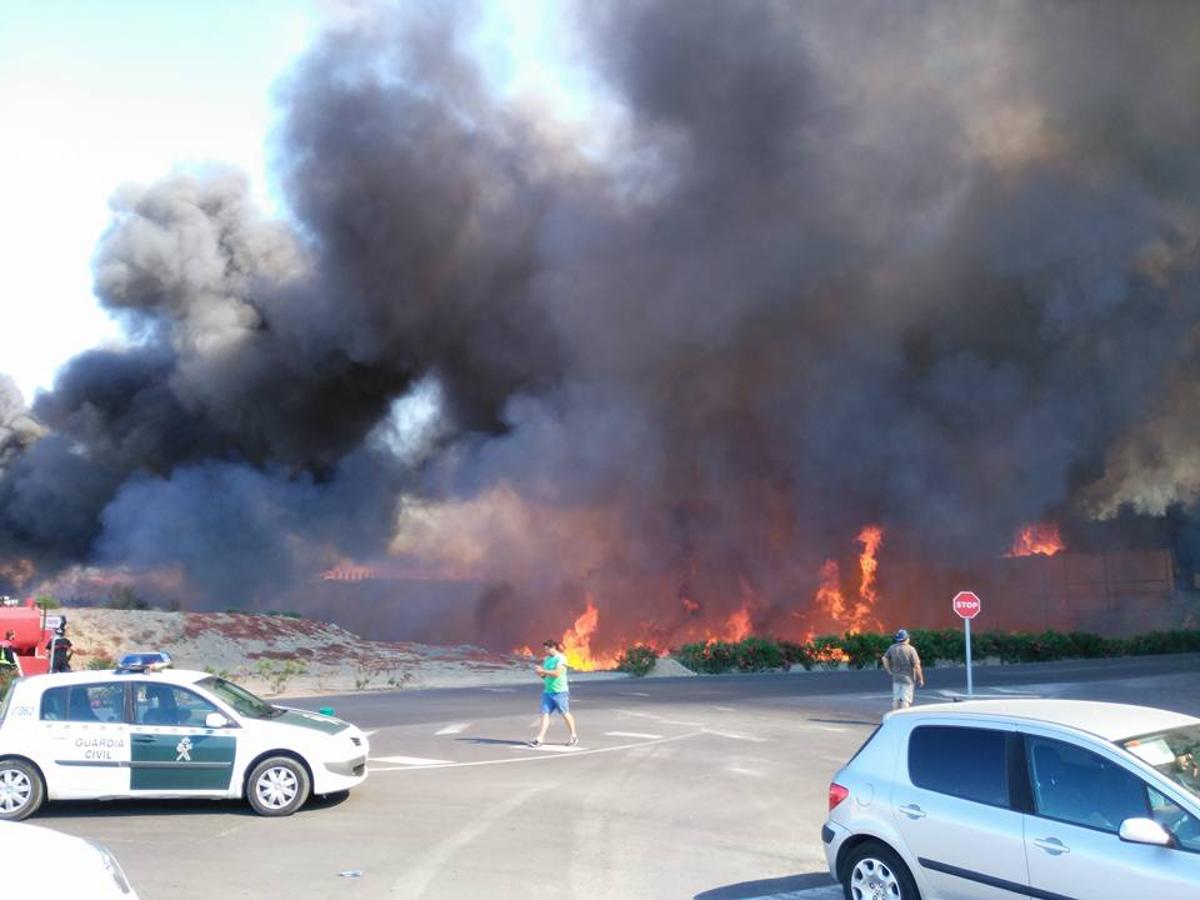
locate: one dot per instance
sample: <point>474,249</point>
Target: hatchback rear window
<point>970,763</point>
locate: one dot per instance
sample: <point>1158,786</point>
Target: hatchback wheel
<point>875,872</point>
<point>277,787</point>
<point>21,790</point>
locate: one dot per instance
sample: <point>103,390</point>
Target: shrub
<point>47,601</point>
<point>756,654</point>
<point>796,654</point>
<point>101,662</point>
<point>865,649</point>
<point>638,660</point>
<point>277,673</point>
<point>712,658</point>
<point>827,651</point>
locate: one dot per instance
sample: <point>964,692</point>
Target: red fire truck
<point>33,630</point>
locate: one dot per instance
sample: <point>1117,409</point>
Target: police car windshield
<point>240,699</point>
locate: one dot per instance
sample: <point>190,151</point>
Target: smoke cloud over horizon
<point>930,267</point>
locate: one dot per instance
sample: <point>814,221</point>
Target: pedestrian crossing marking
<point>409,761</point>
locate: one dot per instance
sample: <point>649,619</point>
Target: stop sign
<point>966,604</point>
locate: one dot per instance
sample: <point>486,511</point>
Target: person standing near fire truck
<point>8,655</point>
<point>903,663</point>
<point>555,693</point>
<point>60,650</point>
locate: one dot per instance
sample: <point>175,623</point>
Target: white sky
<point>93,94</point>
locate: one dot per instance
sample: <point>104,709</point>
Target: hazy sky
<point>95,94</point>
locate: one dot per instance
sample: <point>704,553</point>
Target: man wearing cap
<point>902,662</point>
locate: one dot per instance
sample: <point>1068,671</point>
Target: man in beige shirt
<point>902,662</point>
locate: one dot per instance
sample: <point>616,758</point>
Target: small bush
<point>47,601</point>
<point>101,662</point>
<point>756,654</point>
<point>712,658</point>
<point>278,673</point>
<point>865,649</point>
<point>827,651</point>
<point>795,654</point>
<point>638,660</point>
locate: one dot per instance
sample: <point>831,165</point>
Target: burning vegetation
<point>642,377</point>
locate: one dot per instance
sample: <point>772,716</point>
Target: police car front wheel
<point>21,790</point>
<point>278,786</point>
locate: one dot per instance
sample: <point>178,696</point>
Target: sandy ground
<point>278,655</point>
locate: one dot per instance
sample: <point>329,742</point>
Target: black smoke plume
<point>926,265</point>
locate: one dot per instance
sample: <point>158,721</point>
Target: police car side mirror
<point>216,720</point>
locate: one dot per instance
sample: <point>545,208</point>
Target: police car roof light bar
<point>144,662</point>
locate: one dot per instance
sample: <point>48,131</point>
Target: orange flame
<point>577,642</point>
<point>829,594</point>
<point>830,599</point>
<point>1042,538</point>
<point>738,625</point>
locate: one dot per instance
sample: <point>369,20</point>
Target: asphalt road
<point>710,788</point>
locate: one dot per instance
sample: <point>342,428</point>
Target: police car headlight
<point>113,868</point>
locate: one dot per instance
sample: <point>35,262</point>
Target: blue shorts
<point>557,702</point>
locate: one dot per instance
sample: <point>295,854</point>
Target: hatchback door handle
<point>142,739</point>
<point>1052,845</point>
<point>913,811</point>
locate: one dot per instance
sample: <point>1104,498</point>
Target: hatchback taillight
<point>837,794</point>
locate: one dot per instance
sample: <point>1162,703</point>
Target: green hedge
<point>637,660</point>
<point>862,650</point>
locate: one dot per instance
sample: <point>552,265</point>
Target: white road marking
<point>834,728</point>
<point>551,748</point>
<point>634,694</point>
<point>456,728</point>
<point>410,761</point>
<point>369,733</point>
<point>501,690</point>
<point>736,736</point>
<point>663,719</point>
<point>536,758</point>
<point>725,708</point>
<point>632,734</point>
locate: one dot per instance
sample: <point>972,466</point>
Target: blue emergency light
<point>144,662</point>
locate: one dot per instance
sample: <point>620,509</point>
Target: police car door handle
<point>143,739</point>
<point>913,811</point>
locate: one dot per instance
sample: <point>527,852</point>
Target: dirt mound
<point>280,654</point>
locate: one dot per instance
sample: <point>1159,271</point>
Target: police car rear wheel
<point>21,790</point>
<point>278,786</point>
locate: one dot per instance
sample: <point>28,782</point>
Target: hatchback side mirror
<point>216,720</point>
<point>1145,831</point>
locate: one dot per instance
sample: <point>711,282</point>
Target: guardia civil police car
<point>147,731</point>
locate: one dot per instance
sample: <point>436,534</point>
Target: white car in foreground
<point>1052,799</point>
<point>75,867</point>
<point>144,732</point>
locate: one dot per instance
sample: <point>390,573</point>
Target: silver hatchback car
<point>999,799</point>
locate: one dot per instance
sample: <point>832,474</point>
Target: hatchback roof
<point>1111,721</point>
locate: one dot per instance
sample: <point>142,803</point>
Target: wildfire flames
<point>833,610</point>
<point>1041,538</point>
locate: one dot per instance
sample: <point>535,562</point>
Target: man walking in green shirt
<point>555,693</point>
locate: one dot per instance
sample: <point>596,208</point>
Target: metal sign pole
<point>967,633</point>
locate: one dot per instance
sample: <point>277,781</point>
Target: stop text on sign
<point>967,604</point>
